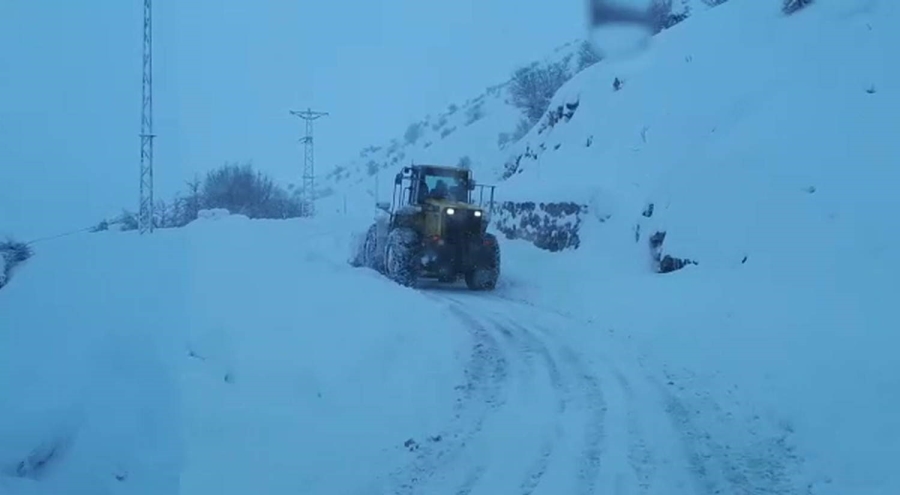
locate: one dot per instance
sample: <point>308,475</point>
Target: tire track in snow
<point>715,462</point>
<point>594,434</point>
<point>718,467</point>
<point>529,346</point>
<point>617,458</point>
<point>705,459</point>
<point>485,376</point>
<point>640,457</point>
<point>584,387</point>
<point>471,481</point>
<point>561,389</point>
<point>524,351</point>
<point>589,392</point>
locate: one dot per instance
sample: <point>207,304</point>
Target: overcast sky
<point>226,74</point>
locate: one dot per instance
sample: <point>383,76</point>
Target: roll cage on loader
<point>433,228</point>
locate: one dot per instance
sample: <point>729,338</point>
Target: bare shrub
<point>533,87</point>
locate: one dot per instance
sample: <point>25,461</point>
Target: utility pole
<point>145,212</point>
<point>307,191</point>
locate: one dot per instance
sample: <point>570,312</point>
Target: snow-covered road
<point>541,413</point>
<point>251,382</point>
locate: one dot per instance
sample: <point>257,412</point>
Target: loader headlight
<point>450,211</point>
<point>477,213</point>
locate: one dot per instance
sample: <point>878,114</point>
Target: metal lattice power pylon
<point>145,212</point>
<point>307,191</point>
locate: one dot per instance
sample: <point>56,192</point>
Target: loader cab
<point>421,185</point>
<point>439,184</point>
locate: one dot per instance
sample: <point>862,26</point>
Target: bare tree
<point>413,133</point>
<point>533,87</point>
<point>241,190</point>
<point>474,113</point>
<point>587,55</point>
<point>193,202</point>
<point>12,253</point>
<point>791,6</point>
<point>161,215</point>
<point>176,212</point>
<point>663,15</point>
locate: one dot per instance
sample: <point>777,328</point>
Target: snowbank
<point>213,214</point>
<point>232,348</point>
<point>358,364</point>
<point>88,388</point>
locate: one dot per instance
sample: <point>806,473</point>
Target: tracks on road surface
<point>536,415</point>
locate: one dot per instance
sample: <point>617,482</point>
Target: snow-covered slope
<point>761,146</point>
<point>476,132</point>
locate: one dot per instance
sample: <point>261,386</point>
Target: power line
<point>307,191</point>
<point>58,236</point>
<point>145,210</point>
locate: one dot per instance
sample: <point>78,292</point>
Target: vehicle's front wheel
<point>485,275</point>
<point>403,256</point>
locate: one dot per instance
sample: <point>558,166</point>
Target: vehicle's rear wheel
<point>403,256</point>
<point>373,257</point>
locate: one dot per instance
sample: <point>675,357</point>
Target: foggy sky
<point>226,74</point>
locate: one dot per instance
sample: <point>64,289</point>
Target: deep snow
<point>254,358</point>
<point>762,142</point>
<point>204,357</point>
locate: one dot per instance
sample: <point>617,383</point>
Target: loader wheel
<point>402,257</point>
<point>485,277</point>
<point>373,257</point>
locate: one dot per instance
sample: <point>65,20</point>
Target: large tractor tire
<point>403,256</point>
<point>484,276</point>
<point>372,256</point>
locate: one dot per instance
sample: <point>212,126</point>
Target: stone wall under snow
<point>550,226</point>
<point>555,226</point>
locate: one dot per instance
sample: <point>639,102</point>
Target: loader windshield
<point>445,185</point>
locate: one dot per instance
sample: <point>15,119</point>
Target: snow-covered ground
<point>212,365</point>
<point>249,356</point>
<point>234,355</point>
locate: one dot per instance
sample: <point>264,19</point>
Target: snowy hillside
<point>752,144</point>
<point>475,133</point>
<point>243,356</point>
<point>478,132</point>
<point>757,144</point>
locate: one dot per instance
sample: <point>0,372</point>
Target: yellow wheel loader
<point>434,229</point>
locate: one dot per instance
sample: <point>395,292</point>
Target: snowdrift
<point>187,359</point>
